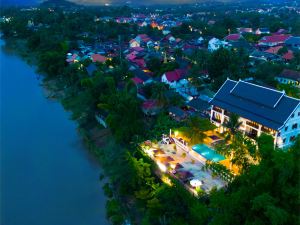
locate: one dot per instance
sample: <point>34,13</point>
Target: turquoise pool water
<point>207,152</point>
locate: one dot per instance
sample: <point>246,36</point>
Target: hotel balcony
<point>214,119</point>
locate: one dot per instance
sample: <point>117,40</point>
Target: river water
<point>47,176</point>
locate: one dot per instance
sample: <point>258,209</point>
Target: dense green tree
<point>195,129</point>
<point>265,193</point>
<point>124,117</point>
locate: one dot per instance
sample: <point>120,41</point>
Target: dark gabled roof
<point>290,74</point>
<point>141,75</point>
<point>241,44</point>
<point>91,69</point>
<point>198,104</point>
<point>266,106</point>
<point>251,92</point>
<point>264,55</point>
<point>293,41</point>
<point>264,29</point>
<point>177,111</point>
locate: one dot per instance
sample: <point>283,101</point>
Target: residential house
<point>151,107</point>
<point>140,75</point>
<point>274,50</point>
<point>260,31</point>
<point>143,39</point>
<point>98,58</point>
<point>200,40</point>
<point>199,107</point>
<point>166,32</point>
<point>281,31</point>
<point>170,38</point>
<point>241,44</point>
<point>261,110</point>
<point>91,69</point>
<point>233,37</point>
<point>177,113</point>
<point>174,79</point>
<point>243,30</point>
<point>215,43</point>
<point>264,56</point>
<point>288,56</point>
<point>134,43</point>
<point>273,40</point>
<point>237,41</point>
<point>137,81</point>
<point>293,42</point>
<point>289,77</point>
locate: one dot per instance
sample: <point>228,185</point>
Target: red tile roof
<point>280,38</point>
<point>273,50</point>
<point>140,62</point>
<point>233,37</point>
<point>98,58</point>
<point>150,104</point>
<point>137,80</point>
<point>291,74</point>
<point>131,56</point>
<point>288,56</point>
<point>175,75</point>
<point>138,49</point>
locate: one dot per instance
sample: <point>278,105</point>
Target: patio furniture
<point>165,159</point>
<point>158,151</point>
<point>185,175</point>
<point>178,166</point>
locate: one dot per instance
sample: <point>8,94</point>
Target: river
<point>47,176</point>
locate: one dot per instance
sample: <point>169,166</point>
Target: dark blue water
<point>47,176</point>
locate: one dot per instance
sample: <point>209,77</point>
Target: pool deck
<point>191,162</point>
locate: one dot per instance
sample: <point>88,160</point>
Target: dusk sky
<point>101,2</point>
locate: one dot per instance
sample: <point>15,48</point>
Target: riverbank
<point>43,156</point>
<point>96,139</point>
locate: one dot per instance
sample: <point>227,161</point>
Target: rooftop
<point>290,74</point>
<point>272,108</point>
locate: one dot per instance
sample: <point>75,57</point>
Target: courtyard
<point>184,164</point>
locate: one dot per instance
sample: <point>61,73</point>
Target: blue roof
<point>91,69</point>
<point>251,92</point>
<point>266,106</point>
<point>177,111</point>
<point>293,41</point>
<point>198,104</point>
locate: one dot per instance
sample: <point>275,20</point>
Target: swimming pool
<point>208,153</point>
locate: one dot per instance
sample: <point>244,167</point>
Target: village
<point>192,111</point>
<point>183,96</point>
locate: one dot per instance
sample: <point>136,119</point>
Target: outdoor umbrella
<point>195,183</point>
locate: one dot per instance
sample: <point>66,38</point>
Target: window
<point>295,126</point>
<point>286,128</point>
<point>298,113</point>
<point>284,140</point>
<point>293,115</point>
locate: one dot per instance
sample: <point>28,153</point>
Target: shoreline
<point>51,90</point>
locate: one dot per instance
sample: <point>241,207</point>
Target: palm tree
<point>239,150</point>
<point>229,150</point>
<point>233,124</point>
<point>159,93</point>
<point>196,127</point>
